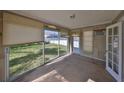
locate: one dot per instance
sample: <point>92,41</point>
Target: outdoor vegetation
<point>25,57</point>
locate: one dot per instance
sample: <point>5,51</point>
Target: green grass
<point>28,56</point>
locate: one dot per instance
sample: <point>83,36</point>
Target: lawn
<point>28,56</point>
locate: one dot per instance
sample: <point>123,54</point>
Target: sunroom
<point>61,45</point>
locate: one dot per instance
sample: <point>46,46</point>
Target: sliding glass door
<point>25,57</point>
<point>63,43</point>
<point>51,44</point>
<point>56,44</point>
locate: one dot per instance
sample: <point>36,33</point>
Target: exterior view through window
<point>76,48</point>
<point>63,48</point>
<point>24,57</point>
<point>55,44</point>
<point>51,45</point>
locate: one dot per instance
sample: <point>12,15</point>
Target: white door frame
<point>118,77</point>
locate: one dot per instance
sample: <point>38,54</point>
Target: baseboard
<point>92,57</point>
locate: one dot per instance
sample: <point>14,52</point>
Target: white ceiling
<point>62,18</point>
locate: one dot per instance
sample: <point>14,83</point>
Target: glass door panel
<point>110,63</point>
<point>110,56</point>
<point>63,43</point>
<point>113,57</point>
<point>110,40</point>
<point>116,44</point>
<point>115,68</point>
<point>110,48</point>
<point>110,31</point>
<point>51,44</point>
<point>116,32</point>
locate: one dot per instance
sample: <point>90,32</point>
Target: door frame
<point>73,44</point>
<point>117,77</point>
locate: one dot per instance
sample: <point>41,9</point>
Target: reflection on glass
<point>116,50</point>
<point>115,68</point>
<point>110,63</point>
<point>110,48</point>
<point>110,40</point>
<point>110,56</point>
<point>116,44</point>
<point>115,59</point>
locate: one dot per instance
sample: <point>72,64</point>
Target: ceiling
<point>62,18</point>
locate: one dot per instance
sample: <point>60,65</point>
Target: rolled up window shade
<point>18,30</point>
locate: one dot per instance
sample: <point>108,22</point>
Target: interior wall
<point>99,45</point>
<point>99,42</point>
